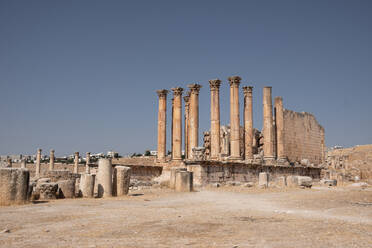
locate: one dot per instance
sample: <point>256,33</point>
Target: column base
<point>282,161</point>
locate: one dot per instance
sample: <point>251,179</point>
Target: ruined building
<point>288,139</point>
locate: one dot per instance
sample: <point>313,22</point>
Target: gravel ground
<point>210,217</point>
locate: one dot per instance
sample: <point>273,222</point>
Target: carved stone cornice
<point>162,93</point>
<point>177,91</point>
<point>194,88</point>
<point>215,84</point>
<point>234,80</point>
<point>247,90</point>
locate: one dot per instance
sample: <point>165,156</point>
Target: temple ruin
<point>290,143</point>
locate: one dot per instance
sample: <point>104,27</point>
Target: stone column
<point>38,160</point>
<point>177,124</point>
<point>162,125</point>
<point>14,185</point>
<point>10,163</point>
<point>215,118</point>
<point>87,162</point>
<point>76,162</point>
<point>51,160</point>
<point>194,117</point>
<point>268,130</point>
<point>186,126</point>
<point>234,118</point>
<point>248,122</point>
<point>104,177</point>
<point>121,180</point>
<point>279,120</point>
<point>87,185</point>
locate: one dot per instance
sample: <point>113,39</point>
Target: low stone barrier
<point>14,186</point>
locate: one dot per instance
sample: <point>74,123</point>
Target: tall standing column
<point>51,160</point>
<point>76,162</point>
<point>234,118</point>
<point>87,162</point>
<point>186,125</point>
<point>194,117</point>
<point>248,122</point>
<point>38,160</point>
<point>215,117</point>
<point>268,129</point>
<point>177,124</point>
<point>279,120</point>
<point>162,125</point>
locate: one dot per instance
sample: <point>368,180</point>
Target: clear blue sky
<point>82,75</point>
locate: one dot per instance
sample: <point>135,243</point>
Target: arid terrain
<point>212,217</point>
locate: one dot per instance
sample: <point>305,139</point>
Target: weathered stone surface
<point>292,181</point>
<point>121,180</point>
<point>281,182</point>
<point>104,178</point>
<point>263,180</point>
<point>184,181</point>
<point>329,182</point>
<point>87,185</point>
<point>47,191</point>
<point>66,188</point>
<point>14,185</point>
<point>172,179</point>
<point>198,153</point>
<point>248,185</point>
<point>304,181</point>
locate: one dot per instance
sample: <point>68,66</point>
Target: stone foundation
<point>208,172</point>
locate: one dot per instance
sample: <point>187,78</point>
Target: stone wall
<point>303,137</point>
<point>351,162</point>
<point>206,173</point>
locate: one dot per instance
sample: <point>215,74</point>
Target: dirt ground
<point>211,217</point>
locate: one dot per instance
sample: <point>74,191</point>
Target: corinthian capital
<point>162,93</point>
<point>247,90</point>
<point>177,91</point>
<point>234,80</point>
<point>194,88</point>
<point>215,84</point>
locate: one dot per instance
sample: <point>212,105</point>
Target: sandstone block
<point>184,181</point>
<point>121,180</point>
<point>14,185</point>
<point>172,180</point>
<point>304,181</point>
<point>292,181</point>
<point>281,182</point>
<point>263,180</point>
<point>87,185</point>
<point>47,191</point>
<point>66,188</point>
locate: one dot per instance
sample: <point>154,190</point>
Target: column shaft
<point>215,118</point>
<point>268,130</point>
<point>279,119</point>
<point>194,117</point>
<point>38,160</point>
<point>162,125</point>
<point>248,122</point>
<point>234,118</point>
<point>51,160</point>
<point>177,124</point>
<point>76,162</point>
<point>186,125</point>
<point>87,162</point>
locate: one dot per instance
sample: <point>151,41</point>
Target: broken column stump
<point>87,185</point>
<point>13,186</point>
<point>184,181</point>
<point>121,180</point>
<point>104,177</point>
